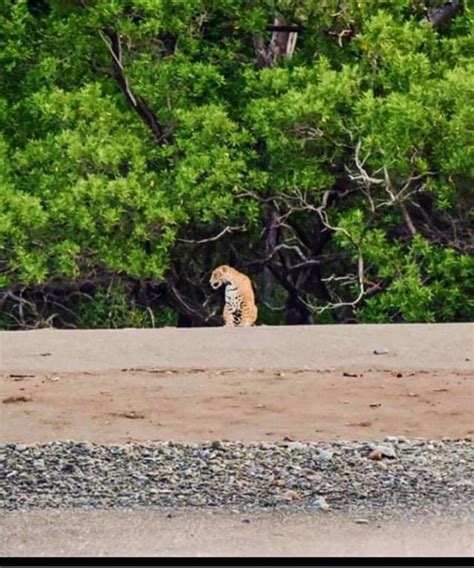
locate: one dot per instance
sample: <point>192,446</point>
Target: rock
<point>379,452</point>
<point>217,445</point>
<point>324,455</point>
<point>320,503</point>
<point>380,351</point>
<point>361,521</point>
<point>463,483</point>
<point>296,446</point>
<point>290,495</point>
<point>391,439</point>
<point>375,455</point>
<point>243,477</point>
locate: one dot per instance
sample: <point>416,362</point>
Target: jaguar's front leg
<point>228,317</point>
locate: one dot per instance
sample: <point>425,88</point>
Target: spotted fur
<point>240,309</point>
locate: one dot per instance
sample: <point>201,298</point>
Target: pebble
<point>241,476</point>
<point>324,455</point>
<point>296,446</point>
<point>380,351</point>
<point>381,451</point>
<point>321,503</point>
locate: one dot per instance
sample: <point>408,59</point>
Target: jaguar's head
<point>219,276</point>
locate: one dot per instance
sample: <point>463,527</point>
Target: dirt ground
<point>264,383</point>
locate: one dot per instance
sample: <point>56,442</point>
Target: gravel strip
<point>369,479</point>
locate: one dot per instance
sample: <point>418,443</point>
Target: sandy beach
<point>305,384</point>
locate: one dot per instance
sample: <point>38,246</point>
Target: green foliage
<point>110,308</point>
<point>87,189</point>
<point>426,284</point>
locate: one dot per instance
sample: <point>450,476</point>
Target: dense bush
<point>144,142</point>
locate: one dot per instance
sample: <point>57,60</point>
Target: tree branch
<point>184,306</point>
<point>408,220</point>
<point>441,16</point>
<point>144,111</point>
<point>215,237</point>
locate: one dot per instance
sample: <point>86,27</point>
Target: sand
<point>265,383</point>
<point>410,346</point>
<point>193,533</point>
<point>234,405</point>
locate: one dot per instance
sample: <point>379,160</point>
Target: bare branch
<point>152,317</point>
<point>408,220</point>
<point>186,307</point>
<point>117,57</point>
<point>114,45</point>
<point>349,278</point>
<point>283,246</point>
<point>256,196</point>
<point>274,308</point>
<point>360,296</point>
<point>215,237</point>
<point>396,197</point>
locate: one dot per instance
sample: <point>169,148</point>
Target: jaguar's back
<point>240,308</point>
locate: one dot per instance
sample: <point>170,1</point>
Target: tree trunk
<point>281,46</point>
<point>441,16</point>
<point>270,239</point>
